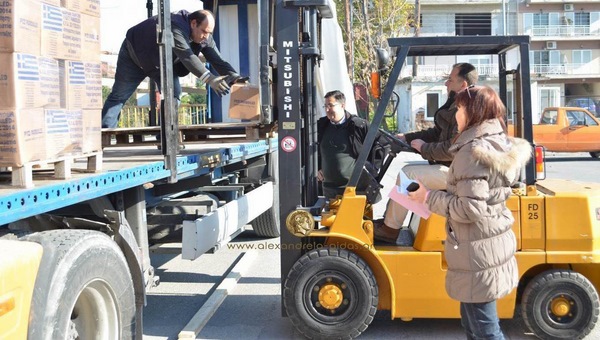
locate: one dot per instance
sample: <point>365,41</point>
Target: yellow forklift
<point>335,278</point>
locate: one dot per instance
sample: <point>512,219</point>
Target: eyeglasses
<point>469,92</point>
<point>330,106</point>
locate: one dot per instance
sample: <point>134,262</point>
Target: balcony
<point>566,69</point>
<point>438,72</point>
<point>562,31</point>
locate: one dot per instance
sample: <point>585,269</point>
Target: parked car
<point>587,103</point>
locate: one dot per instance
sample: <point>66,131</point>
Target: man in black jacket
<point>340,136</point>
<point>139,58</point>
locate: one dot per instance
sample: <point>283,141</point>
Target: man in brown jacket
<point>433,144</point>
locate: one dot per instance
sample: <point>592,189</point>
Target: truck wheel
<point>595,154</point>
<point>560,304</point>
<point>83,289</point>
<point>330,293</point>
<point>267,223</point>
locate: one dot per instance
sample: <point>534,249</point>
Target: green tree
<point>371,23</point>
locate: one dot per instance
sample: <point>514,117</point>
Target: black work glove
<point>218,84</point>
<point>235,78</point>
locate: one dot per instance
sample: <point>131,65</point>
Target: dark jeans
<point>127,78</point>
<point>480,321</point>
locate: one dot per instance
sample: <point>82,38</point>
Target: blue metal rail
<point>30,202</point>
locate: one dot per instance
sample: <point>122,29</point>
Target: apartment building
<point>564,51</point>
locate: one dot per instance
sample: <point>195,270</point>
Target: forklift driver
<point>433,144</point>
<point>139,58</point>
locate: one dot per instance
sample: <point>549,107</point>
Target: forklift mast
<point>298,47</point>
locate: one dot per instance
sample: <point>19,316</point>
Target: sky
<point>118,15</point>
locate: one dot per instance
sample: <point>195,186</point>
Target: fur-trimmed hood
<point>490,146</point>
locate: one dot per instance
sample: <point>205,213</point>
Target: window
<point>541,19</point>
<point>433,103</point>
<point>582,57</point>
<point>541,57</point>
<point>549,97</point>
<point>473,23</point>
<point>582,19</point>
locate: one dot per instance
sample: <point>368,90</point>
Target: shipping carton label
<point>57,133</point>
<point>90,36</point>
<point>70,44</point>
<point>75,123</point>
<point>19,26</point>
<point>91,7</point>
<point>19,142</point>
<point>52,30</point>
<point>49,82</point>
<point>21,82</point>
<point>93,87</point>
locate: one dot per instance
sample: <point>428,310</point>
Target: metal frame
<point>461,45</point>
<point>298,51</point>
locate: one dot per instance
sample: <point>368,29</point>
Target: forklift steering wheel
<point>397,144</point>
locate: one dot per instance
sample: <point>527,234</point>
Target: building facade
<point>564,52</point>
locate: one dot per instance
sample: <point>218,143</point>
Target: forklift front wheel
<point>330,293</point>
<point>560,304</point>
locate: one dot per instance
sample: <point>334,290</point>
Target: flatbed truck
<point>75,252</point>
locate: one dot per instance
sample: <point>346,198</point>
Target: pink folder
<point>402,199</point>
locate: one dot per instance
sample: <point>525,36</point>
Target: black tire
<point>356,292</point>
<point>83,289</point>
<point>267,223</point>
<point>560,304</point>
<point>595,154</point>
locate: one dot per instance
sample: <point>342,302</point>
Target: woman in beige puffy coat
<point>480,244</point>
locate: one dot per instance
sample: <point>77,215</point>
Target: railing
<point>139,116</point>
<point>442,71</point>
<point>562,31</point>
<point>542,69</point>
<point>439,72</point>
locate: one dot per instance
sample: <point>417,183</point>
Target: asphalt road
<point>252,308</point>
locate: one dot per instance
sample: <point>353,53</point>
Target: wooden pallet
<point>202,133</point>
<point>59,168</point>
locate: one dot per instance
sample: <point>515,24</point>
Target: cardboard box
<point>20,26</point>
<point>81,84</point>
<point>244,102</point>
<point>89,7</point>
<point>92,131</point>
<point>90,38</point>
<point>28,81</point>
<point>22,136</point>
<point>64,132</point>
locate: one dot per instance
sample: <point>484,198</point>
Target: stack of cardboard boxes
<point>50,80</point>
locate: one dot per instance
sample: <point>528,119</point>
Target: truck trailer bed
<point>122,168</point>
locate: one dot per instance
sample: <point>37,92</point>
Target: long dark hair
<point>481,103</point>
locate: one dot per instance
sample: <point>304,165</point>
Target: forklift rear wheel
<point>595,154</point>
<point>560,304</point>
<point>330,293</point>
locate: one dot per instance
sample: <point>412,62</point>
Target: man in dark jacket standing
<point>340,136</point>
<point>433,144</point>
<point>139,58</point>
